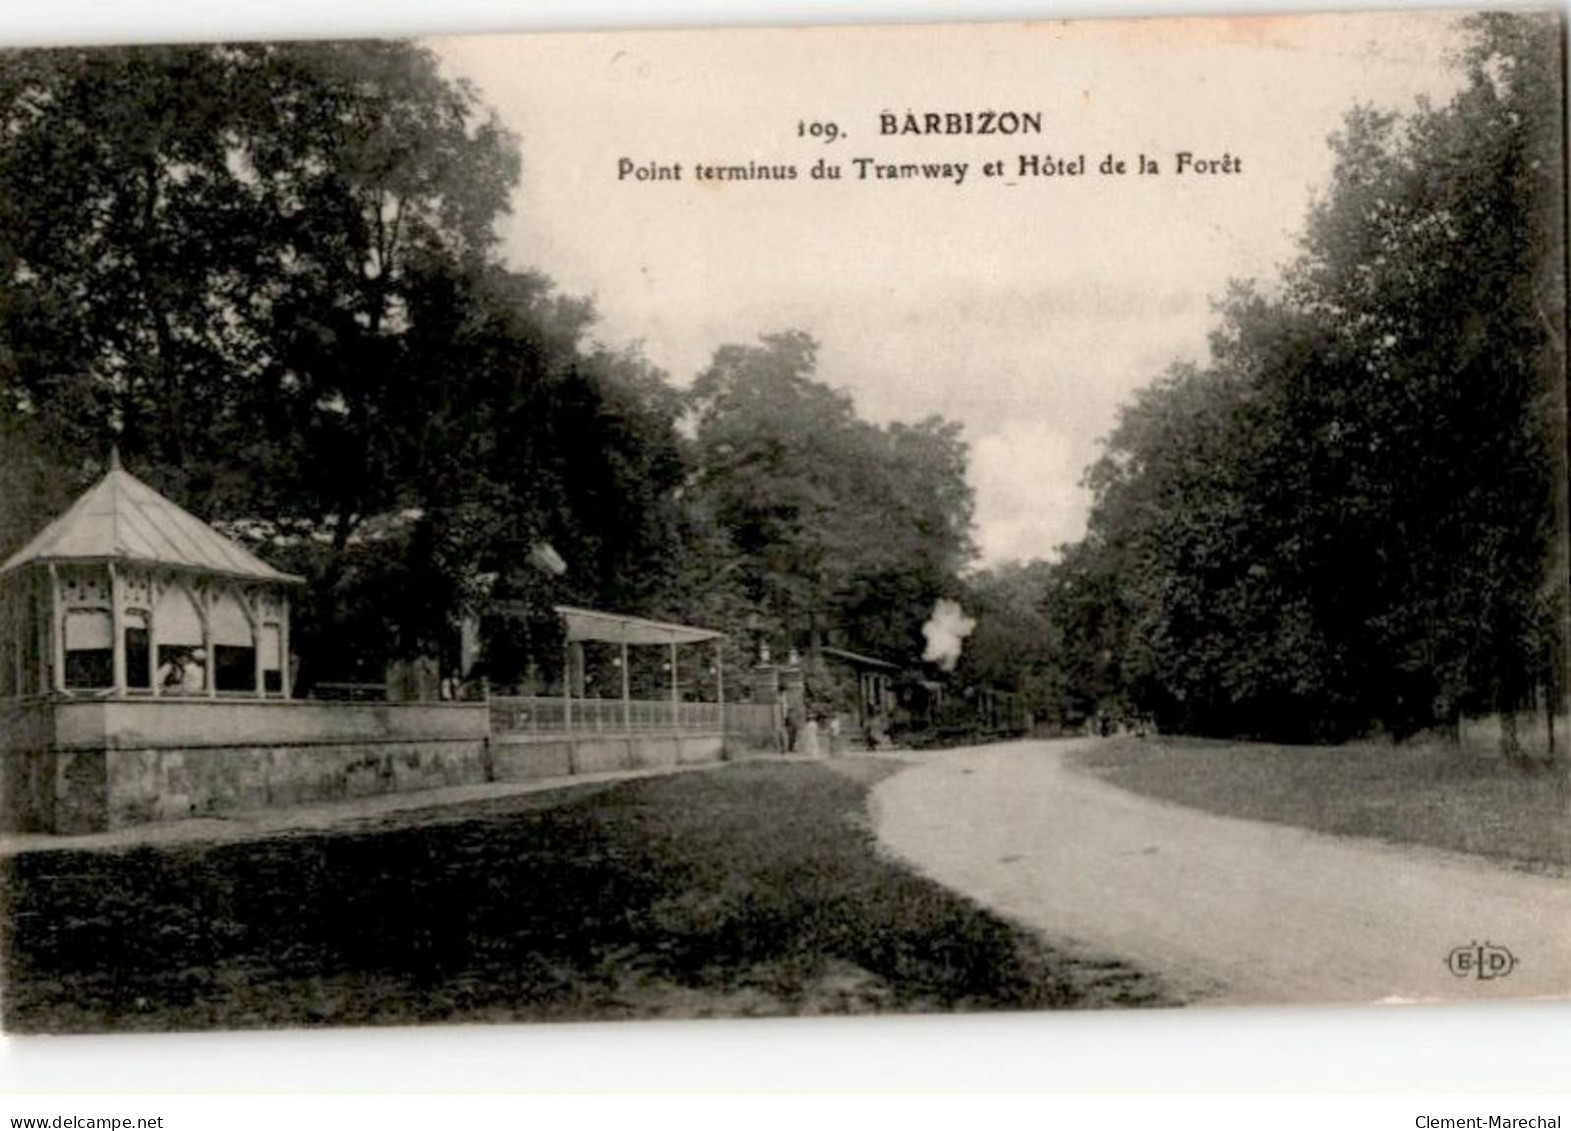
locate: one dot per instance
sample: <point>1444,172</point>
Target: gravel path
<point>1224,909</point>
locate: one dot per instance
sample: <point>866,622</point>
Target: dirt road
<point>1224,909</point>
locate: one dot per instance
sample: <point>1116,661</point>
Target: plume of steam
<point>946,631</point>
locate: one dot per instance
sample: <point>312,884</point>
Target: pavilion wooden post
<point>21,606</point>
<point>41,650</point>
<point>209,660</point>
<point>720,678</point>
<point>286,678</point>
<point>117,639</point>
<point>252,604</point>
<point>676,721</point>
<point>627,698</point>
<point>56,628</point>
<point>152,631</point>
<point>567,686</point>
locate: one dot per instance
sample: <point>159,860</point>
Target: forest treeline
<point>271,274</point>
<point>1348,519</point>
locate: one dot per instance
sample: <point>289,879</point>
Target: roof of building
<point>614,628</point>
<point>858,658</point>
<point>120,518</point>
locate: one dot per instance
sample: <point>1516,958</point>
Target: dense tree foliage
<point>1017,645</point>
<point>1346,520</point>
<point>269,273</point>
<point>825,526</point>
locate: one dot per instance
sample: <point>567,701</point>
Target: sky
<point>1027,308</point>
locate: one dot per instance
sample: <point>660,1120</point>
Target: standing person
<point>193,675</point>
<point>171,670</point>
<point>810,737</point>
<point>793,724</point>
<point>834,736</point>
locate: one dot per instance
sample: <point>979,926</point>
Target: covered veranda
<point>653,695</point>
<point>591,702</point>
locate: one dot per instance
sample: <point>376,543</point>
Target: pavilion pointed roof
<point>122,519</point>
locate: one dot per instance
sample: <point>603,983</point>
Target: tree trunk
<point>1510,740</point>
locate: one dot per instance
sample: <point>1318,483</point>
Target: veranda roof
<point>613,628</point>
<point>120,518</point>
<point>859,659</point>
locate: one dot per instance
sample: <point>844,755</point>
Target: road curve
<point>1223,909</point>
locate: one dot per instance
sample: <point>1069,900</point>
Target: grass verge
<point>1436,796</point>
<point>751,890</point>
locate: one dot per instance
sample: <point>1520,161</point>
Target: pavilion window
<point>272,659</point>
<point>180,658</point>
<point>235,667</point>
<point>234,647</point>
<point>89,649</point>
<point>138,651</point>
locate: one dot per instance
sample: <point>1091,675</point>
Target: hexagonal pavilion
<point>128,595</point>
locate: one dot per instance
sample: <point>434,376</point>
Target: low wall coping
<point>186,723</point>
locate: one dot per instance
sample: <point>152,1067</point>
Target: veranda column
<point>676,722</point>
<point>567,685</point>
<point>627,710</point>
<point>720,679</point>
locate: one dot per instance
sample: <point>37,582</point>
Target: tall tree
<point>1348,519</point>
<point>234,260</point>
<point>838,526</point>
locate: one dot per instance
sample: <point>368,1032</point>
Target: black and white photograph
<point>773,522</point>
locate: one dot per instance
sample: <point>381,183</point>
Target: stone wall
<point>750,726</point>
<point>92,765</point>
<point>522,757</point>
<point>27,733</point>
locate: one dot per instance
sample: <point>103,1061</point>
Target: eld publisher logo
<point>1481,962</point>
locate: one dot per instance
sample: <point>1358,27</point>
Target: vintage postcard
<point>772,522</point>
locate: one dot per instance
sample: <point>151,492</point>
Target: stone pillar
<point>766,684</point>
<point>793,689</point>
<point>766,692</point>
